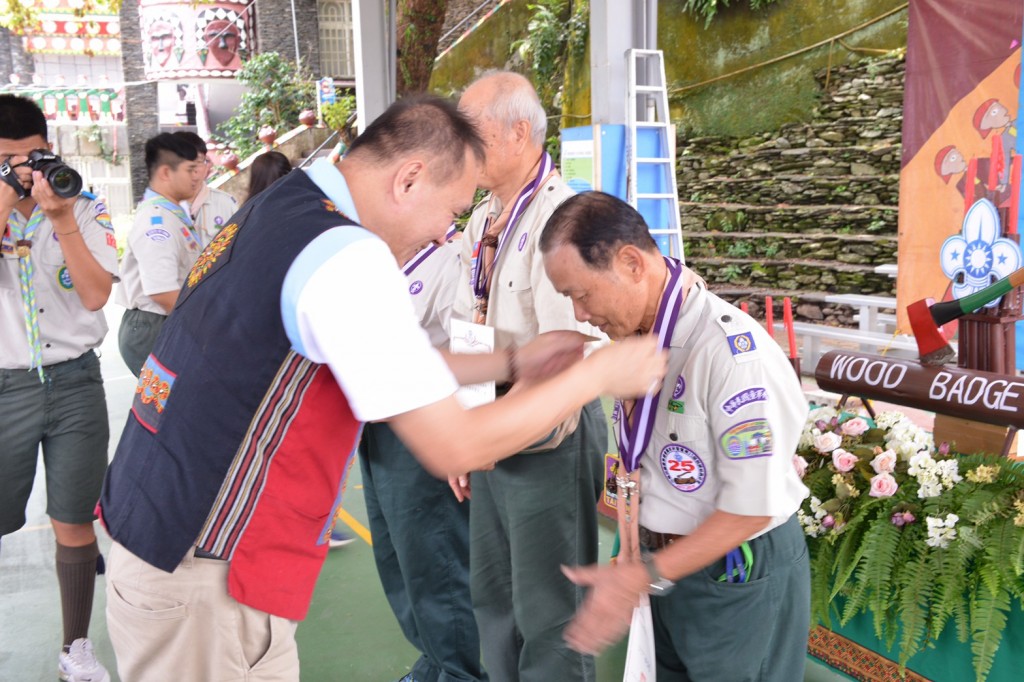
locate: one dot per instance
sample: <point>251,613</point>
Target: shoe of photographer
<point>79,664</point>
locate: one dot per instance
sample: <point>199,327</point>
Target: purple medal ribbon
<point>481,279</point>
<point>425,252</point>
<point>633,438</point>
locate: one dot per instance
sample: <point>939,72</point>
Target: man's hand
<point>630,368</point>
<point>8,200</point>
<point>607,611</point>
<point>548,354</point>
<point>460,486</point>
<point>58,209</point>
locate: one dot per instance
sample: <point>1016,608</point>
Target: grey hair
<point>517,100</point>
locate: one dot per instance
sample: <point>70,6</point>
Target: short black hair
<point>167,149</point>
<point>20,118</point>
<point>193,139</point>
<point>422,123</point>
<point>597,225</point>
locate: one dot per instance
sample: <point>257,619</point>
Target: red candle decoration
<point>769,315</point>
<point>787,319</point>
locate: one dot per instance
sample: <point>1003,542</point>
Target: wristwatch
<point>658,586</point>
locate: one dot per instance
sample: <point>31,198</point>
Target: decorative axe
<point>927,317</point>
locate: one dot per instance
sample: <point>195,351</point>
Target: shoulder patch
<point>747,440</point>
<point>158,234</point>
<point>755,394</point>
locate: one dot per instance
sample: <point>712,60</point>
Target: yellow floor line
<point>357,528</point>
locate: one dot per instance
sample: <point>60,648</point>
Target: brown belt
<point>652,540</point>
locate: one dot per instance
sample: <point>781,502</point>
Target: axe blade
<point>932,346</point>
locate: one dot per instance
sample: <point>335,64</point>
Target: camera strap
<point>11,178</point>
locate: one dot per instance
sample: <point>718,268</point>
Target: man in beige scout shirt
<point>162,246</point>
<point>537,510</point>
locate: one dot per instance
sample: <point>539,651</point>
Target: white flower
<point>819,513</point>
<point>885,420</point>
<point>941,531</point>
<point>921,463</point>
<point>812,528</point>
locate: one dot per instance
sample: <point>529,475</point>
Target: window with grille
<point>336,56</point>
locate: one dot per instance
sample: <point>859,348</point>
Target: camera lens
<point>65,181</point>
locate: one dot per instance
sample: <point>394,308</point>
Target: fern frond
<point>988,618</point>
<point>912,605</point>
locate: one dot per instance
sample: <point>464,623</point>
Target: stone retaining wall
<point>806,210</point>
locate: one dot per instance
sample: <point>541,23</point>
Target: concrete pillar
<point>616,26</point>
<point>374,33</point>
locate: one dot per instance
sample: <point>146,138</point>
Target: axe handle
<point>950,310</point>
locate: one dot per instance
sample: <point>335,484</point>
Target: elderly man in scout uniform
<point>58,262</point>
<point>162,246</point>
<point>537,511</point>
<point>710,455</point>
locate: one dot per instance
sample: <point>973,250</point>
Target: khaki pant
<point>184,625</point>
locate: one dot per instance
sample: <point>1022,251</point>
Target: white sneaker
<point>79,664</point>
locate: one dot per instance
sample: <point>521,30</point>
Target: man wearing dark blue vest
<point>222,493</point>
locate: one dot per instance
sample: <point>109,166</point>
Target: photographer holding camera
<point>58,262</point>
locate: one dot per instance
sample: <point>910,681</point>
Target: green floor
<point>350,633</point>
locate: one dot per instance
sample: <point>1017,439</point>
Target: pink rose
<point>884,463</point>
<point>828,522</point>
<point>827,442</point>
<point>883,485</point>
<point>854,427</point>
<point>800,464</point>
<point>843,461</point>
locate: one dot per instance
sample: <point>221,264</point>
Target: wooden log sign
<point>970,394</point>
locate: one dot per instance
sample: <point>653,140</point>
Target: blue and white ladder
<point>650,150</point>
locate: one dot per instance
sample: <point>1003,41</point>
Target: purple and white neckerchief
<point>633,436</point>
<point>424,253</point>
<point>481,279</point>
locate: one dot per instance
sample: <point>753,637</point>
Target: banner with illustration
<point>192,40</point>
<point>960,148</point>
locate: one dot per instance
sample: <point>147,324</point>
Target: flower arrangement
<point>915,534</point>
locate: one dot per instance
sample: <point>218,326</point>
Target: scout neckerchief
<point>425,253</point>
<point>634,435</point>
<point>156,199</point>
<point>485,256</point>
<point>23,234</point>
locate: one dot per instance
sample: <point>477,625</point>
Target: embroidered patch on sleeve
<point>152,393</point>
<point>755,394</point>
<point>742,346</point>
<point>158,234</point>
<point>747,440</point>
<point>103,216</point>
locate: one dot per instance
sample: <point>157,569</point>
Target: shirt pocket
<point>685,454</point>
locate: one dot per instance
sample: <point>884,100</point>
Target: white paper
<point>470,338</point>
<point>640,662</point>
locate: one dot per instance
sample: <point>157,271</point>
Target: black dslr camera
<point>65,180</point>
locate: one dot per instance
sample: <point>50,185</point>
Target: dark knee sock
<point>76,574</point>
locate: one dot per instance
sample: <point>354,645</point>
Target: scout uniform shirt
<point>66,328</point>
<point>522,302</point>
<point>432,285</point>
<point>726,425</point>
<point>212,211</point>
<point>160,251</point>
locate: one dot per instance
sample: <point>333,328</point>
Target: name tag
<point>470,338</point>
